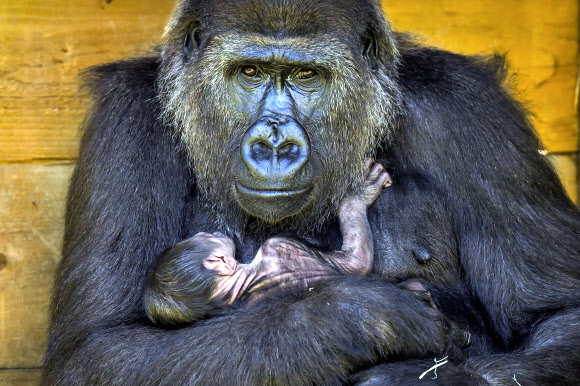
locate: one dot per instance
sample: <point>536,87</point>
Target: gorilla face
<point>277,117</point>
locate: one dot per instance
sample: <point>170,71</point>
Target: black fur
<point>470,190</point>
<point>179,288</point>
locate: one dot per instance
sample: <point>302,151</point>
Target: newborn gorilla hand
<point>376,178</point>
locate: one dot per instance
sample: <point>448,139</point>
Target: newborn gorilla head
<point>278,106</point>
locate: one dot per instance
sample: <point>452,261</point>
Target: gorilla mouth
<point>270,192</point>
<point>272,204</point>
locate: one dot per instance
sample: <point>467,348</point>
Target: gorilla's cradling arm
<point>255,117</point>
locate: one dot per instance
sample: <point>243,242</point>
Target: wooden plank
<point>31,226</point>
<point>534,32</point>
<point>567,167</point>
<point>540,38</point>
<point>44,46</point>
<point>20,377</point>
<point>550,94</point>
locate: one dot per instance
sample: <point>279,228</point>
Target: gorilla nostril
<point>261,151</point>
<point>289,151</point>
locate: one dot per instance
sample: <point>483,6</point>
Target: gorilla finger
<point>388,181</point>
<point>458,335</point>
<point>375,171</point>
<point>384,180</point>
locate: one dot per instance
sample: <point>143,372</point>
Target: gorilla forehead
<point>346,18</point>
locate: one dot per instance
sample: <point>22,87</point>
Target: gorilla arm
<point>126,205</point>
<point>475,145</point>
<point>318,340</point>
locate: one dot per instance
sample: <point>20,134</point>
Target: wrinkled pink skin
<point>281,261</point>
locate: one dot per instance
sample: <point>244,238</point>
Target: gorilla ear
<point>371,49</point>
<point>192,41</point>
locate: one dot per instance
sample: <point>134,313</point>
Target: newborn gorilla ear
<point>224,265</point>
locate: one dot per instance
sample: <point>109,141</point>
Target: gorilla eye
<point>250,71</point>
<point>192,41</point>
<point>305,74</point>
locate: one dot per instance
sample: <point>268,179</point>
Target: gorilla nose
<point>275,148</point>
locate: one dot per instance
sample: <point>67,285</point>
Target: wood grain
<point>539,37</point>
<point>44,47</point>
<point>567,167</point>
<point>31,226</point>
<point>20,377</point>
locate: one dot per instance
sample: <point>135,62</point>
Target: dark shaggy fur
<point>172,298</point>
<point>475,210</point>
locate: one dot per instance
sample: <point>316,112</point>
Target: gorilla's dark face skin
<point>255,117</point>
<point>271,108</point>
<point>275,174</point>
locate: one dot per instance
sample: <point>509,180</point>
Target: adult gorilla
<point>255,116</point>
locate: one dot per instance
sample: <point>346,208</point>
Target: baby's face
<point>224,245</point>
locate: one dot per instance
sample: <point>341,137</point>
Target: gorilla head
<point>276,101</point>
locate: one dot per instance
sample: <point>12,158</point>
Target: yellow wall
<point>45,44</point>
<point>540,41</point>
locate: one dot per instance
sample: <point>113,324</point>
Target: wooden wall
<point>540,40</point>
<point>46,44</point>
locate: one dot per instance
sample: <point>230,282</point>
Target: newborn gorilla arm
<point>356,254</point>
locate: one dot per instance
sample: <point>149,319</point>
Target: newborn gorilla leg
<point>283,262</point>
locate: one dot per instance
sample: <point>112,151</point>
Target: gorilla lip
<point>270,204</point>
<point>270,193</point>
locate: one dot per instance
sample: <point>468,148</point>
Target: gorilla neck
<point>231,219</point>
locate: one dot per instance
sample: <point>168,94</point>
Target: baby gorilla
<point>213,279</point>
